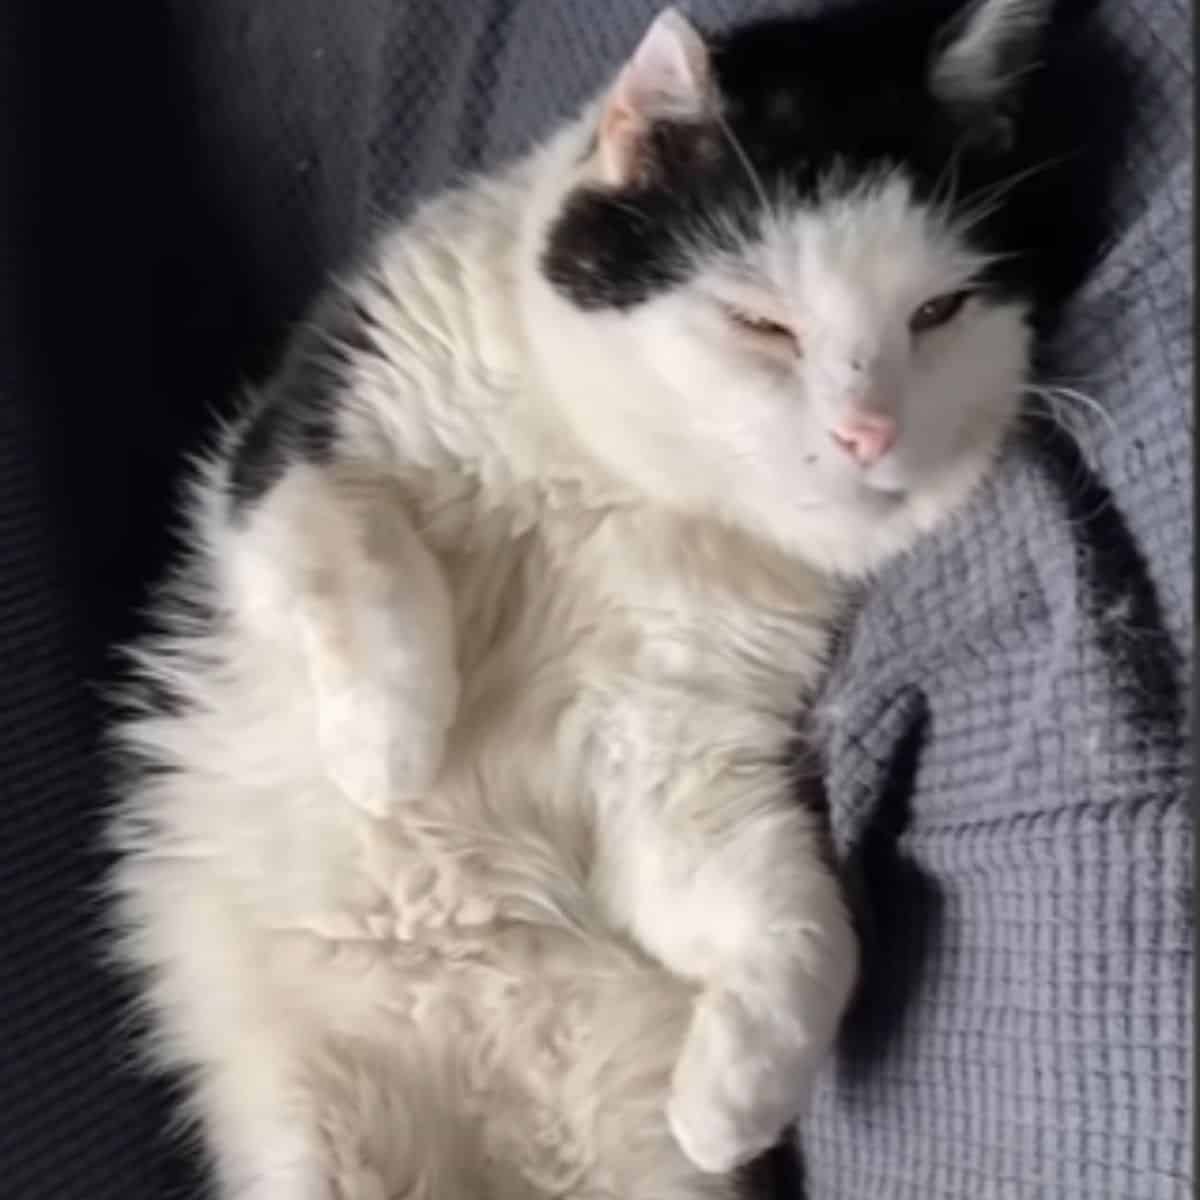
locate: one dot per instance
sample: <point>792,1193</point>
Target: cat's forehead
<point>873,236</point>
<point>804,99</point>
<point>811,118</point>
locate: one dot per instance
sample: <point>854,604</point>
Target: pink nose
<point>866,437</point>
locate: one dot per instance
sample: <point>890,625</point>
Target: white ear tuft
<point>985,52</point>
<point>668,78</point>
<point>668,75</point>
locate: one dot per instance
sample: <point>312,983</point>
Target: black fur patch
<point>845,90</point>
<point>296,417</point>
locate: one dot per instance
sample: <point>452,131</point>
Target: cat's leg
<point>332,572</point>
<point>294,1070</point>
<point>215,1017</point>
<point>257,1154</point>
<point>731,887</point>
<point>291,1111</point>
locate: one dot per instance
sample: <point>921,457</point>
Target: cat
<point>459,851</point>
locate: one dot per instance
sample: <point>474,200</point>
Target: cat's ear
<point>669,78</point>
<point>982,58</point>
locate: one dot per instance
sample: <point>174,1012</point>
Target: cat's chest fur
<point>611,657</point>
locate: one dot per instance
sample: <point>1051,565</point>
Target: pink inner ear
<point>669,70</point>
<point>668,77</point>
<point>621,132</point>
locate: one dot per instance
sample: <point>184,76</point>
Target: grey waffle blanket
<point>1005,731</point>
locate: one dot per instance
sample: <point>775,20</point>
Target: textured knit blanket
<point>1004,732</point>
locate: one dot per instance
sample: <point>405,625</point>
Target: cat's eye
<point>938,311</point>
<point>762,327</point>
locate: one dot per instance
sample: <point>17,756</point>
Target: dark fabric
<point>1004,731</point>
<point>79,465</point>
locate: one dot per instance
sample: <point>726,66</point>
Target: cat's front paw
<point>382,740</point>
<point>738,1084</point>
<point>375,752</point>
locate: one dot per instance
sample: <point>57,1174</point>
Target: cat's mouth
<point>878,492</point>
<point>891,478</point>
<point>886,490</point>
<point>882,501</point>
<point>880,489</point>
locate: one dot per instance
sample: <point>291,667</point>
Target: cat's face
<point>787,277</point>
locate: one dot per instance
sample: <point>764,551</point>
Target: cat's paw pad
<point>737,1086</point>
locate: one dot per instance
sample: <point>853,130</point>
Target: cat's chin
<point>865,495</point>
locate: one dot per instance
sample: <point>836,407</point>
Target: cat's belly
<point>480,983</point>
<point>467,905</point>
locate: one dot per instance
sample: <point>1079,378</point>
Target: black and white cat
<point>460,855</point>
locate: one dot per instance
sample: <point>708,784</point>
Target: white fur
<point>988,46</point>
<point>469,864</point>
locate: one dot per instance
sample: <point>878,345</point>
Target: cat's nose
<point>866,437</point>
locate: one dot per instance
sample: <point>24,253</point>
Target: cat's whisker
<point>1060,417</point>
<point>1060,399</point>
<point>947,178</point>
<point>631,210</point>
<point>744,159</point>
<point>983,203</point>
<point>1087,402</point>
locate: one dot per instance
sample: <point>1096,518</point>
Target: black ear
<point>982,58</point>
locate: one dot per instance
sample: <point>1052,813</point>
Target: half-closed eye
<point>763,327</point>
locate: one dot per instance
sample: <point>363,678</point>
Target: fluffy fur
<point>460,856</point>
